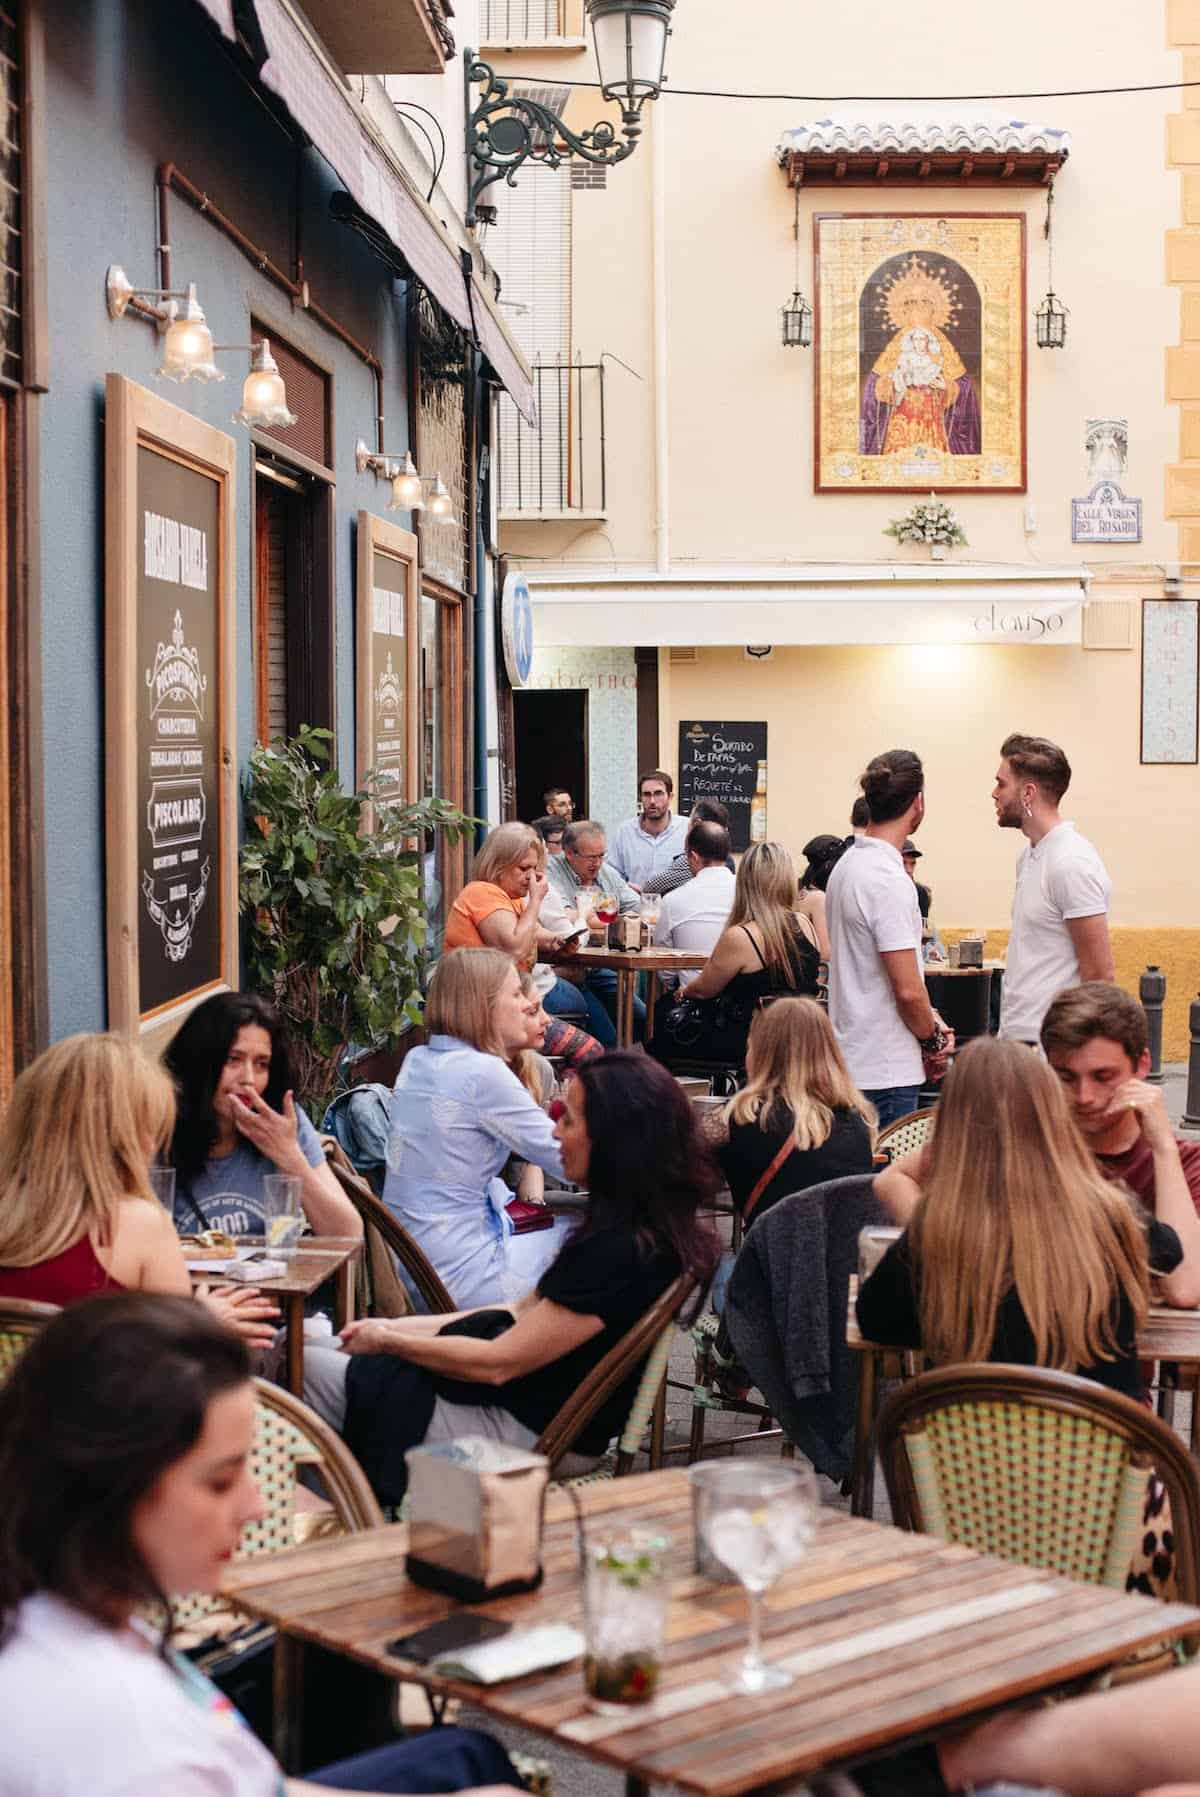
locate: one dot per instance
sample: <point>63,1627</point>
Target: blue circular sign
<point>516,629</point>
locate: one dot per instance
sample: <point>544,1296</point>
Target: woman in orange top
<point>501,905</point>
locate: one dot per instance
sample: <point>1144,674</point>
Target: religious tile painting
<point>920,352</point>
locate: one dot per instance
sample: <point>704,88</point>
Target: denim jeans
<point>444,1759</point>
<point>601,988</point>
<point>892,1102</point>
<point>566,1000</point>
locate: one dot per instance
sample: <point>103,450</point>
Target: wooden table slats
<point>627,966</point>
<point>891,1635</point>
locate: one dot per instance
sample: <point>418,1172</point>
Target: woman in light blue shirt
<point>457,1113</point>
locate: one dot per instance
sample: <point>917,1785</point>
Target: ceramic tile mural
<point>1170,698</point>
<point>609,677</point>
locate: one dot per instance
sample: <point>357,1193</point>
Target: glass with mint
<point>625,1619</point>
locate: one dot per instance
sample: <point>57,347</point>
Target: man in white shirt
<point>1059,933</point>
<point>694,915</point>
<point>886,1027</point>
<point>648,843</point>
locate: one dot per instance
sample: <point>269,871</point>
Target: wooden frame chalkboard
<point>170,733</point>
<point>386,649</point>
<point>719,760</point>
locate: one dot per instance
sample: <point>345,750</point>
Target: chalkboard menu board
<point>178,754</point>
<point>387,558</point>
<point>720,761</point>
<point>170,771</point>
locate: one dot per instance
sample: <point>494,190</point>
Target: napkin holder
<point>475,1518</point>
<point>970,951</point>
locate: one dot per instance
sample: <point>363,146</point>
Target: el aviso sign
<point>725,761</point>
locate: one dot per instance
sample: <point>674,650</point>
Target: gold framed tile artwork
<point>921,352</point>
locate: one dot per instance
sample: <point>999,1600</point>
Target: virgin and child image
<point>919,394</point>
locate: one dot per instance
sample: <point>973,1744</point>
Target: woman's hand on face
<point>244,1310</point>
<point>274,1133</point>
<point>539,886</point>
<point>373,1335</point>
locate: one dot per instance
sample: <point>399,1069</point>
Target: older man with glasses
<point>583,865</point>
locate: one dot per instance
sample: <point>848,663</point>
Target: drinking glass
<point>625,1615</point>
<point>608,909</point>
<point>162,1184</point>
<point>756,1520</point>
<point>651,910</point>
<point>283,1213</point>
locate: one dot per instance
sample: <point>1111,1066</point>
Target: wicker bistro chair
<point>382,1227</point>
<point>650,1341</point>
<point>20,1320</point>
<point>1036,1466</point>
<point>905,1134</point>
<point>289,1438</point>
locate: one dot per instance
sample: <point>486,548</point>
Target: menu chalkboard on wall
<point>170,764</point>
<point>721,761</point>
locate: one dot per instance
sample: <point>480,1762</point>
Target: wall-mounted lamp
<point>1050,319</point>
<point>504,130</point>
<point>411,491</point>
<point>264,396</point>
<point>797,315</point>
<point>188,348</point>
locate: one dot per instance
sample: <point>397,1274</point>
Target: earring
<point>1027,807</point>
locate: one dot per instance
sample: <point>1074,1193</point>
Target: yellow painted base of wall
<point>1174,952</point>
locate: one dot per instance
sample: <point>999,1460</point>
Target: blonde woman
<point>799,1120</point>
<point>765,950</point>
<point>77,1214</point>
<point>1018,1248</point>
<point>458,1111</point>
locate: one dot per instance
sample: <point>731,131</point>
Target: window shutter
<point>531,251</point>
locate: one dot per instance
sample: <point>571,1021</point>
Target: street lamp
<point>505,130</point>
<point>797,323</point>
<point>1050,318</point>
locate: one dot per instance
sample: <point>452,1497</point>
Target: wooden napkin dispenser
<point>475,1518</point>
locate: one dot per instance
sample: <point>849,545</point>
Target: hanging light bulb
<point>439,504</point>
<point>408,489</point>
<point>187,351</point>
<point>264,396</point>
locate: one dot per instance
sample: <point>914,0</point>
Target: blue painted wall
<point>131,84</point>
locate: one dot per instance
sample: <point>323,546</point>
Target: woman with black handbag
<point>766,949</point>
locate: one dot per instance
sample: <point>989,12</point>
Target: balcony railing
<point>558,468</point>
<point>529,21</point>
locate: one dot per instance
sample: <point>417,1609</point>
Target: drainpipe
<point>662,464</point>
<point>484,664</point>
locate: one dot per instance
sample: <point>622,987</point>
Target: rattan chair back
<point>379,1222</point>
<point>648,1341</point>
<point>1036,1466</point>
<point>905,1134</point>
<point>20,1320</point>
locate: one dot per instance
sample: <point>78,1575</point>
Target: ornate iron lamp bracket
<point>506,130</point>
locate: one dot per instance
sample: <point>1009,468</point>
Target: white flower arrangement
<point>930,521</point>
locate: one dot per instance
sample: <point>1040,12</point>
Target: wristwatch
<point>931,1045</point>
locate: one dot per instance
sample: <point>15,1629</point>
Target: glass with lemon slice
<point>283,1213</point>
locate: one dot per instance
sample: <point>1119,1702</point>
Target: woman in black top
<point>799,1120</point>
<point>1018,1249</point>
<point>629,1134</point>
<point>766,949</point>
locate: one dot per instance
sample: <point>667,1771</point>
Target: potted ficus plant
<point>931,521</point>
<point>334,913</point>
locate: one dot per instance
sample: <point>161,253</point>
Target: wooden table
<point>1169,1336</point>
<point>891,1635</point>
<point>651,961</point>
<point>318,1258</point>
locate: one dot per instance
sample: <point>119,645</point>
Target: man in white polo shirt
<point>1059,934</point>
<point>886,1027</point>
<point>694,916</point>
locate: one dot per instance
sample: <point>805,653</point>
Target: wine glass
<point>757,1520</point>
<point>608,909</point>
<point>651,910</point>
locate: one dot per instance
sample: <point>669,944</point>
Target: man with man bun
<point>887,1029</point>
<point>1059,933</point>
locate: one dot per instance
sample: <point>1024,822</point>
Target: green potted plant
<point>334,912</point>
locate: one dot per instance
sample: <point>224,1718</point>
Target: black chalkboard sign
<point>720,761</point>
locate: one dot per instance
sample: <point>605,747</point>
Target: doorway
<point>551,730</point>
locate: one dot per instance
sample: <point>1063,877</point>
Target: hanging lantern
<point>1051,318</point>
<point>797,323</point>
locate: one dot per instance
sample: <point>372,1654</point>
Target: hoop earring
<point>1027,807</point>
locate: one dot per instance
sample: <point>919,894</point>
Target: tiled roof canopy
<point>862,153</point>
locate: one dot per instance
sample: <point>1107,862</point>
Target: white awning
<point>887,604</point>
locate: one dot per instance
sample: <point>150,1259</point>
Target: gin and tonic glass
<point>756,1520</point>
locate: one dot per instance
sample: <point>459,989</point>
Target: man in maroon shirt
<point>1094,1037</point>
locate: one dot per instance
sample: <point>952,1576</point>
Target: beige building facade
<point>707,532</point>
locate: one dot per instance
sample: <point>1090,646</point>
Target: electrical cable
<point>439,161</point>
<point>1059,93</point>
